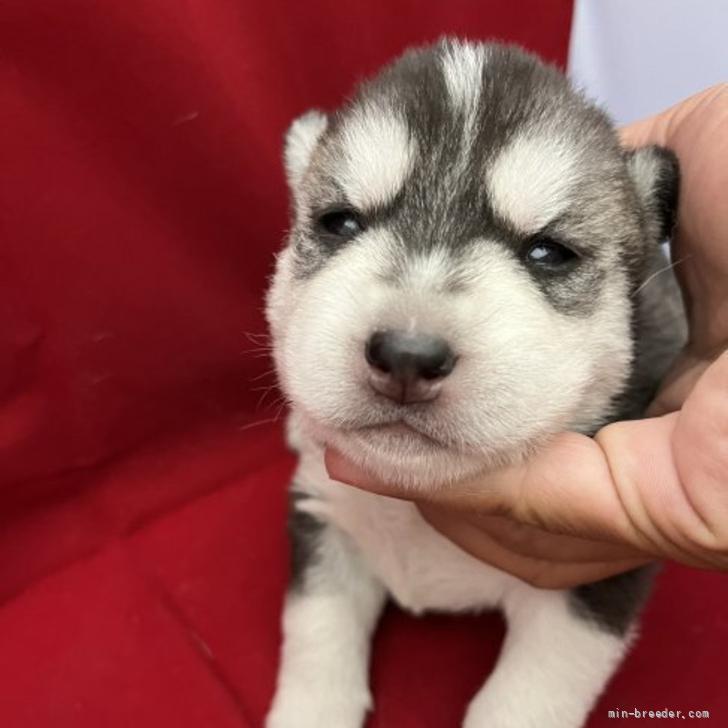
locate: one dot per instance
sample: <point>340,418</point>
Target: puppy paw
<point>483,712</point>
<point>316,710</point>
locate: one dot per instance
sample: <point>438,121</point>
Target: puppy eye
<point>341,223</point>
<point>544,252</point>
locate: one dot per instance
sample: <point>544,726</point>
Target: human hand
<point>697,131</point>
<point>658,487</point>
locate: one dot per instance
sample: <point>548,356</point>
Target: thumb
<point>572,486</point>
<point>566,487</point>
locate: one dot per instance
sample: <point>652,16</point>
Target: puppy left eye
<point>341,223</point>
<point>544,252</point>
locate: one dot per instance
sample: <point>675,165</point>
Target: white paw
<point>483,717</point>
<point>487,711</point>
<point>317,709</point>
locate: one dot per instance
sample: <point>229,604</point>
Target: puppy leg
<point>328,619</point>
<point>554,664</point>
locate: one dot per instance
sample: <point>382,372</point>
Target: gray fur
<point>445,200</point>
<point>614,603</point>
<point>659,331</point>
<point>304,533</point>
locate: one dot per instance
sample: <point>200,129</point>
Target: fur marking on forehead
<point>462,67</point>
<point>531,180</point>
<point>378,156</point>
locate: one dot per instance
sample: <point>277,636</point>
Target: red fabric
<point>142,552</point>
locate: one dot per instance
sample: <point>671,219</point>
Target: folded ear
<point>656,176</point>
<point>301,139</point>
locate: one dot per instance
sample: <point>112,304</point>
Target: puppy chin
<point>401,457</point>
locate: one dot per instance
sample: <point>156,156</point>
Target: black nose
<point>408,367</point>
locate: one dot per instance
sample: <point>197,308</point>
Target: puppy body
<point>468,194</point>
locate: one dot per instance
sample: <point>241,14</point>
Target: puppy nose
<point>408,367</point>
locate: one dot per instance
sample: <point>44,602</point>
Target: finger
<point>567,487</point>
<point>529,541</point>
<point>678,384</point>
<point>679,500</point>
<point>700,447</point>
<point>343,470</point>
<point>657,129</point>
<point>651,130</point>
<point>543,573</point>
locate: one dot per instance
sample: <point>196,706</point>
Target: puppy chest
<point>421,568</point>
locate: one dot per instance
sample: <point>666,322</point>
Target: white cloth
<point>637,57</point>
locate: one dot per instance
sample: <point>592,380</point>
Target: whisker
<point>262,375</point>
<point>650,278</point>
<point>265,392</point>
<point>258,352</point>
<point>257,339</point>
<point>259,423</point>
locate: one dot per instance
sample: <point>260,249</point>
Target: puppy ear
<point>655,173</point>
<point>301,139</point>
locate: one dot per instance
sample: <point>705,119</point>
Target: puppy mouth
<point>401,430</point>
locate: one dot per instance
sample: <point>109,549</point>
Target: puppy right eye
<point>344,224</point>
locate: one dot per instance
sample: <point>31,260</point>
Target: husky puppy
<point>466,275</point>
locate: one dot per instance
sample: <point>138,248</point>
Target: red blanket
<point>142,550</point>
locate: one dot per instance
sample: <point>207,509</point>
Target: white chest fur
<point>421,569</point>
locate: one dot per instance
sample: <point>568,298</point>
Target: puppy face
<point>456,286</point>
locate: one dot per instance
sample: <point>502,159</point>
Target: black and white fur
<point>457,157</point>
